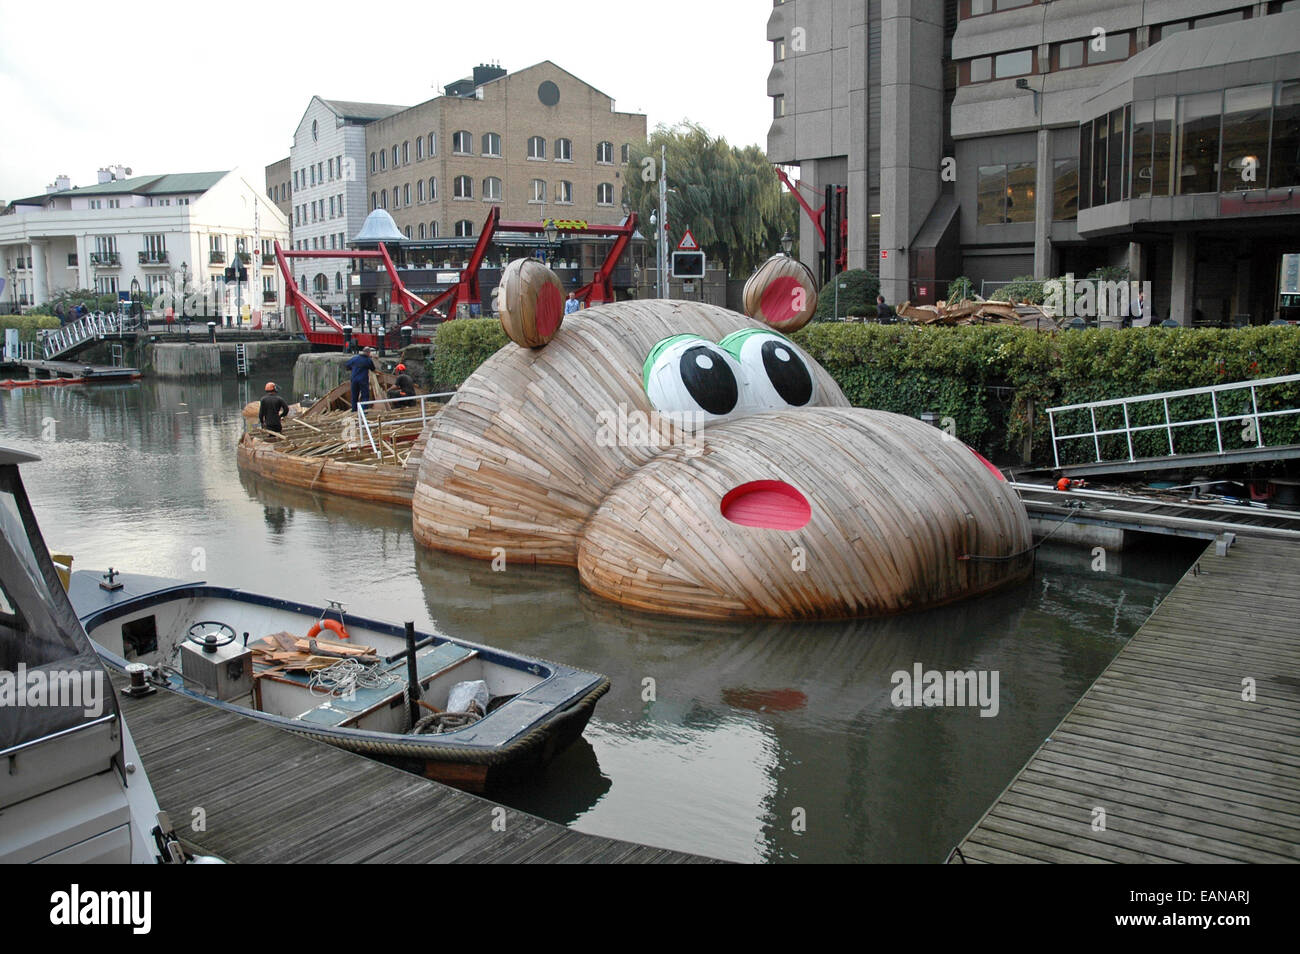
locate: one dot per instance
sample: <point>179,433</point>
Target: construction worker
<point>273,409</point>
<point>405,385</point>
<point>360,366</point>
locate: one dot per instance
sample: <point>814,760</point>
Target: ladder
<point>241,360</point>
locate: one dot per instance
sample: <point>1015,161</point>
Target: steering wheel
<point>211,634</point>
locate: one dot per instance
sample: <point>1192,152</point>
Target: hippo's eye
<point>686,373</point>
<point>777,374</point>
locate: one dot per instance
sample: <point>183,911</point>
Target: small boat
<point>73,789</point>
<point>454,711</point>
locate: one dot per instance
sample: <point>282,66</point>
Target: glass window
<point>491,144</point>
<point>406,194</point>
<point>433,188</point>
<point>433,230</point>
<point>397,203</point>
<point>406,153</point>
<point>1013,64</point>
<point>462,143</point>
<point>1069,55</point>
<point>778,50</point>
<point>419,154</point>
<point>992,195</point>
<point>374,202</point>
<point>394,156</point>
<point>1114,46</point>
<point>464,228</point>
<point>605,194</point>
<point>625,153</point>
<point>981,69</point>
<point>1065,190</point>
<point>491,188</point>
<point>433,144</point>
<point>536,147</point>
<point>980,6</point>
<point>383,160</point>
<point>372,168</point>
<point>1162,147</point>
<point>1012,4</point>
<point>1115,157</point>
<point>1143,133</point>
<point>1246,111</point>
<point>564,149</point>
<point>605,153</point>
<point>419,189</point>
<point>1198,143</point>
<point>539,191</point>
<point>564,193</point>
<point>421,230</point>
<point>1100,142</point>
<point>1021,178</point>
<point>462,187</point>
<point>1284,156</point>
<point>1169,29</point>
<point>1214,20</point>
<point>778,106</point>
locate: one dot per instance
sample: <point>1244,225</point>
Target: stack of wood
<point>980,312</point>
<point>337,436</point>
<point>285,651</point>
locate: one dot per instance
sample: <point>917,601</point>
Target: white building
<point>328,182</point>
<point>147,229</point>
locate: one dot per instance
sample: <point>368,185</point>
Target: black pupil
<point>709,380</point>
<point>789,376</point>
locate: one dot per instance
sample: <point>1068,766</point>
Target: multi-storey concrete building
<point>538,143</point>
<point>141,230</point>
<point>997,138</point>
<point>279,185</point>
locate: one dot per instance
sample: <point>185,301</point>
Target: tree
<point>729,197</point>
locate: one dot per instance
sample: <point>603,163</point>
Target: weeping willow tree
<point>729,197</point>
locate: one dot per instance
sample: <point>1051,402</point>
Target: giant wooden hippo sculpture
<point>693,461</point>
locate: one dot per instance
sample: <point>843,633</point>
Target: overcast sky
<point>192,87</point>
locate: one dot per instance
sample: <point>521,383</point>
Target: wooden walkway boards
<point>1163,743</point>
<point>270,796</point>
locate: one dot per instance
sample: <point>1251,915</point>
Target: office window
<point>383,198</point>
<point>625,153</point>
<point>406,152</point>
<point>433,144</point>
<point>564,150</point>
<point>539,191</point>
<point>1115,156</point>
<point>604,194</point>
<point>778,106</point>
<point>394,156</point>
<point>433,188</point>
<point>420,231</point>
<point>1216,18</point>
<point>991,196</point>
<point>981,69</point>
<point>1198,142</point>
<point>462,143</point>
<point>383,160</point>
<point>419,190</point>
<point>397,204</point>
<point>491,144</point>
<point>433,230</point>
<point>1115,47</point>
<point>1021,179</point>
<point>406,194</point>
<point>464,229</point>
<point>778,50</point>
<point>419,154</point>
<point>605,153</point>
<point>564,193</point>
<point>492,189</point>
<point>978,7</point>
<point>462,187</point>
<point>1018,63</point>
<point>536,147</point>
<point>372,166</point>
<point>1284,162</point>
<point>1246,111</point>
<point>1065,190</point>
<point>1069,55</point>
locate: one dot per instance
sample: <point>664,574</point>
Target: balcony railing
<point>105,259</point>
<point>268,296</point>
<point>72,260</point>
<point>268,258</point>
<point>153,258</point>
<point>244,257</point>
<point>216,257</point>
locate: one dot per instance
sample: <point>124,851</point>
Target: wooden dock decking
<point>1163,743</point>
<point>271,796</point>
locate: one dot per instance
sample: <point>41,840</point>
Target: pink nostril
<point>770,504</point>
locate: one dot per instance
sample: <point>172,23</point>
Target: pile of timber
<point>980,312</point>
<point>290,653</point>
<point>336,435</point>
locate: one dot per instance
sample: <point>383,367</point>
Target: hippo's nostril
<point>770,504</point>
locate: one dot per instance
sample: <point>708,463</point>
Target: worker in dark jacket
<point>273,409</point>
<point>884,313</point>
<point>405,385</point>
<point>361,365</point>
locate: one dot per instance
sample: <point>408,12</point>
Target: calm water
<point>753,726</point>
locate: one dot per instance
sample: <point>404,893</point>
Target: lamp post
<point>552,235</point>
<point>659,276</point>
<point>787,242</point>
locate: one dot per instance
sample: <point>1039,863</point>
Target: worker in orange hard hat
<point>273,409</point>
<point>405,386</point>
<point>1065,483</point>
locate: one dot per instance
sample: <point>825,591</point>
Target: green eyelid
<point>659,349</point>
<point>736,340</point>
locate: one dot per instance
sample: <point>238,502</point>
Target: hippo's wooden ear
<point>782,293</point>
<point>530,302</point>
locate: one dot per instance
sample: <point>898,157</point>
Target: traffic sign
<point>688,243</point>
<point>687,265</point>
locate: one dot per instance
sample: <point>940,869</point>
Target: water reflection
<point>716,737</point>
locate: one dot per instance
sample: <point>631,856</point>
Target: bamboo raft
<point>980,312</point>
<point>529,459</point>
<point>324,450</point>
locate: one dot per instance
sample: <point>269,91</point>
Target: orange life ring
<point>330,624</point>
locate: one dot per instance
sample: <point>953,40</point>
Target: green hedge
<point>27,325</point>
<point>988,379</point>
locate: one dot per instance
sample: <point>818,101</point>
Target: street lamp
<point>659,277</point>
<point>552,235</point>
<point>787,242</point>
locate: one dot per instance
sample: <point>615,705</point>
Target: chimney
<point>120,172</point>
<point>104,175</point>
<point>486,72</point>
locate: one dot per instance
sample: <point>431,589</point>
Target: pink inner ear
<point>987,463</point>
<point>769,504</point>
<point>549,311</point>
<point>777,303</point>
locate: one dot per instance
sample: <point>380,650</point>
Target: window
<point>604,194</point>
<point>778,106</point>
<point>491,144</point>
<point>536,147</point>
<point>978,7</point>
<point>397,204</point>
<point>419,154</point>
<point>1198,143</point>
<point>492,189</point>
<point>338,281</point>
<point>464,229</point>
<point>462,143</point>
<point>383,198</point>
<point>1169,29</point>
<point>991,196</point>
<point>374,202</point>
<point>433,144</point>
<point>420,231</point>
<point>406,153</point>
<point>433,230</point>
<point>408,231</point>
<point>564,150</point>
<point>372,167</point>
<point>1021,179</point>
<point>1115,46</point>
<point>605,153</point>
<point>626,153</point>
<point>778,50</point>
<point>383,160</point>
<point>981,69</point>
<point>394,157</point>
<point>406,194</point>
<point>564,193</point>
<point>1069,55</point>
<point>1018,63</point>
<point>462,187</point>
<point>332,213</point>
<point>433,188</point>
<point>419,190</point>
<point>1245,137</point>
<point>1284,166</point>
<point>539,191</point>
<point>1065,190</point>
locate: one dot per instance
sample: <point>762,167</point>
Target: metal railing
<point>96,325</point>
<point>1218,418</point>
<point>365,424</point>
